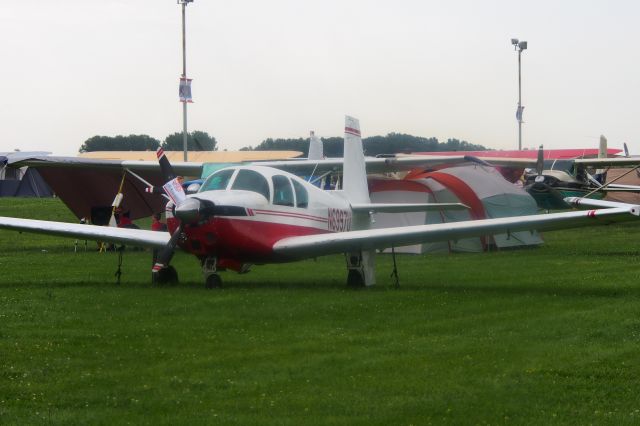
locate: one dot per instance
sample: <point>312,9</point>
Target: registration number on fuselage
<point>339,220</point>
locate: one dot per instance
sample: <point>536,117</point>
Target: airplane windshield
<point>563,165</point>
<point>250,180</point>
<point>217,181</point>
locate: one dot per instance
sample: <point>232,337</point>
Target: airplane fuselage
<point>244,213</point>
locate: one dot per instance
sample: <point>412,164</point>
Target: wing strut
<point>394,273</point>
<point>614,180</point>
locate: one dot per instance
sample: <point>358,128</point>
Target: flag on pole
<point>519,113</point>
<point>185,90</point>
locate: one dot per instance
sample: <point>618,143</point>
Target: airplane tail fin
<point>601,174</point>
<point>361,264</point>
<point>315,148</point>
<point>354,175</point>
<point>602,149</point>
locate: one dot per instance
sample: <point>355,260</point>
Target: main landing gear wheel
<point>213,281</point>
<point>355,279</point>
<point>166,275</point>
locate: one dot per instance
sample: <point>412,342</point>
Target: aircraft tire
<point>213,281</point>
<point>167,275</point>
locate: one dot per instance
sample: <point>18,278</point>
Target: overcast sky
<point>78,68</point>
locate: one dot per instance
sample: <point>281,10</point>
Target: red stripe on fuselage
<point>247,241</point>
<point>289,214</point>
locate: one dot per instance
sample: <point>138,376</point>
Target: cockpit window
<point>302,197</point>
<point>282,192</point>
<point>250,180</point>
<point>217,181</point>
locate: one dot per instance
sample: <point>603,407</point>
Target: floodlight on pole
<point>519,46</point>
<point>185,83</point>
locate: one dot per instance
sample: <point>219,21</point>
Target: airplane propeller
<point>165,255</point>
<point>540,186</point>
<point>161,269</point>
<point>188,211</point>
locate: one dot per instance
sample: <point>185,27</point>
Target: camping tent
<point>482,188</point>
<point>20,181</point>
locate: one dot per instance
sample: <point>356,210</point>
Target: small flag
<point>174,190</point>
<point>185,90</point>
<point>519,113</point>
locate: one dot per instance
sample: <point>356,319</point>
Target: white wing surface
<point>181,168</point>
<point>373,165</point>
<point>406,207</point>
<point>317,245</point>
<point>609,162</point>
<point>137,237</point>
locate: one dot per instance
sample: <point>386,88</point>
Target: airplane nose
<point>189,210</point>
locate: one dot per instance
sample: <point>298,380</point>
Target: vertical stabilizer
<point>315,148</point>
<point>602,149</point>
<point>601,174</point>
<point>354,173</point>
<point>361,265</point>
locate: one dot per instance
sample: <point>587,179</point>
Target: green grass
<point>540,336</point>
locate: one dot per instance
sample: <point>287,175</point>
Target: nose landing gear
<point>209,270</point>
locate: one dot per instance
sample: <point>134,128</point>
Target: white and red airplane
<point>244,215</point>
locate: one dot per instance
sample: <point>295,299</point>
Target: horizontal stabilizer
<point>406,207</point>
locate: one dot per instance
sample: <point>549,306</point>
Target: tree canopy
<point>392,143</point>
<point>120,143</point>
<point>196,141</point>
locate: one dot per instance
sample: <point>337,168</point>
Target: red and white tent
<point>481,188</point>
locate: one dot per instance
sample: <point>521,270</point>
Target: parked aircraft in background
<point>554,180</point>
<point>246,215</point>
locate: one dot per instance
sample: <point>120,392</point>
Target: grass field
<point>540,336</point>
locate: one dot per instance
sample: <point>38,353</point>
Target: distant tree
<point>120,143</point>
<point>246,148</point>
<point>196,141</point>
<point>299,144</point>
<point>392,143</point>
<point>457,145</point>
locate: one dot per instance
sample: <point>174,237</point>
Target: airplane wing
<point>609,162</point>
<point>181,168</point>
<point>406,207</point>
<point>342,242</point>
<point>373,165</point>
<point>514,162</point>
<point>136,237</point>
<point>86,185</point>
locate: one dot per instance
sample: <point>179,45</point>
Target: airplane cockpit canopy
<point>286,191</point>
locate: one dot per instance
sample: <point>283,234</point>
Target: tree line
<point>196,141</point>
<point>392,143</point>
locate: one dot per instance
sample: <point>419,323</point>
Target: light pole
<point>185,83</point>
<point>519,46</point>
